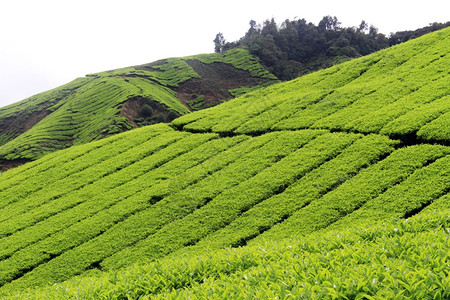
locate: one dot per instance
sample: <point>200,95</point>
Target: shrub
<point>146,111</point>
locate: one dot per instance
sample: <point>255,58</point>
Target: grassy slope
<point>401,92</point>
<point>398,259</point>
<point>87,108</point>
<point>309,167</point>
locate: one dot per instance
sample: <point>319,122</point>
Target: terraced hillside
<point>317,160</point>
<point>401,92</point>
<point>107,103</point>
<point>402,259</point>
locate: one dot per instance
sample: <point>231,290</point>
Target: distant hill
<point>334,185</point>
<point>107,103</point>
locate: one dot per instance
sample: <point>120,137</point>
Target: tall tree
<point>363,26</point>
<point>329,23</point>
<point>219,43</point>
<point>252,29</point>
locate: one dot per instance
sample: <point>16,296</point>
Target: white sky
<point>46,43</point>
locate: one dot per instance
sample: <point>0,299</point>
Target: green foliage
<point>241,59</point>
<point>352,198</point>
<point>232,202</point>
<point>146,110</point>
<point>88,114</point>
<point>399,91</point>
<point>51,97</point>
<point>247,89</point>
<point>197,103</point>
<point>397,259</point>
<point>154,196</point>
<point>88,109</point>
<point>403,36</point>
<point>436,130</point>
<point>309,188</point>
<point>305,175</point>
<point>296,47</point>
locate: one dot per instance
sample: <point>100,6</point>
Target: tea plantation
<point>93,107</point>
<point>331,186</point>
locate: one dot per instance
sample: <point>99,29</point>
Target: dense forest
<point>297,47</point>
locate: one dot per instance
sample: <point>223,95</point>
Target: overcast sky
<point>46,43</point>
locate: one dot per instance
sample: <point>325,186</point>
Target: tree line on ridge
<point>299,47</point>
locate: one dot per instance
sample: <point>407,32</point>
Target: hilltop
<point>342,171</point>
<point>297,47</point>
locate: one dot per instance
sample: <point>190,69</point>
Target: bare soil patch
<point>137,116</point>
<point>6,165</point>
<point>217,79</point>
<point>23,121</point>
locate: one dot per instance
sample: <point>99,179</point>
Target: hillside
<point>401,92</point>
<point>382,261</point>
<point>342,171</point>
<point>107,103</point>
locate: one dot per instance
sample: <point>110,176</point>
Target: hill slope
<point>401,92</point>
<point>362,142</point>
<point>382,261</point>
<point>106,103</point>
